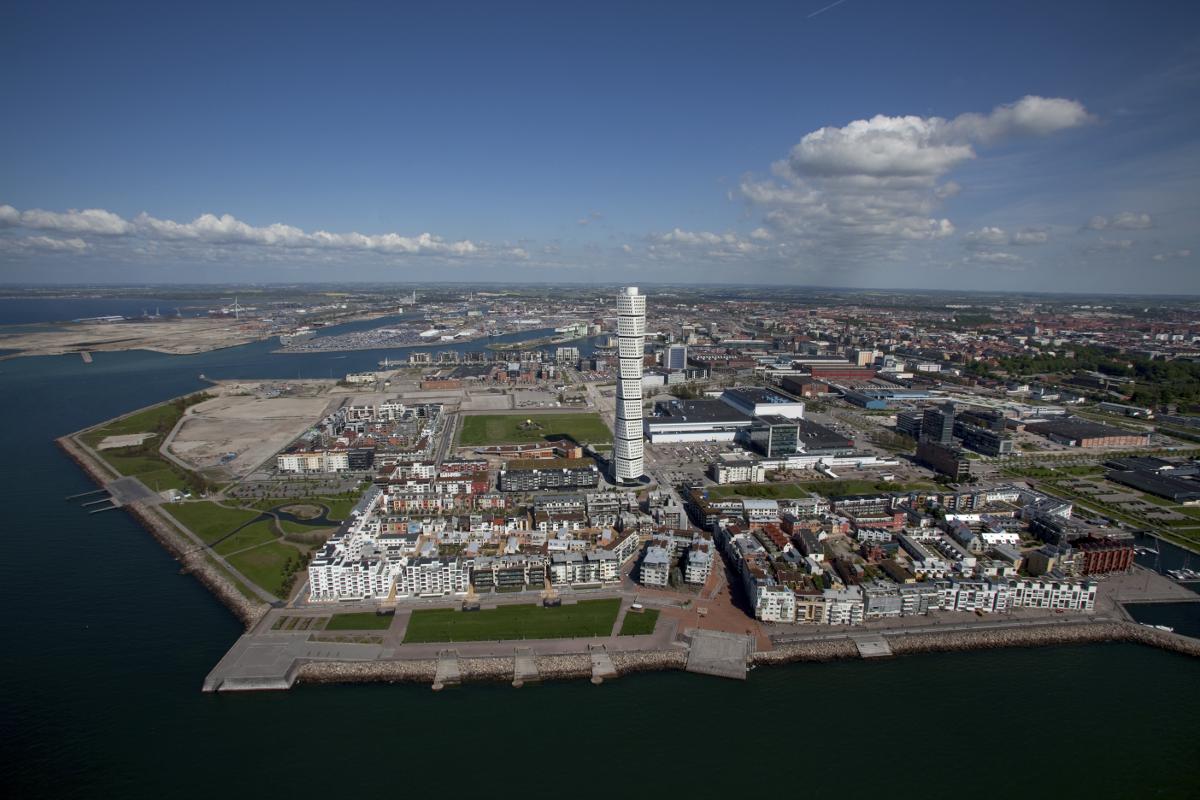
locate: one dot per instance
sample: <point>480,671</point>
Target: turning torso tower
<point>631,336</point>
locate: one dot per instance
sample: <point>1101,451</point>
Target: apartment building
<point>655,569</point>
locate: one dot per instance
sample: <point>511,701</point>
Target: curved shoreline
<point>189,554</point>
<point>575,666</point>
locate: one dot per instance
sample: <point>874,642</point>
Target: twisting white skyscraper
<point>631,337</point>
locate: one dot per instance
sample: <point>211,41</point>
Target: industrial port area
<point>705,483</point>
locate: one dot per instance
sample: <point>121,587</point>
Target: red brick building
<point>1101,556</point>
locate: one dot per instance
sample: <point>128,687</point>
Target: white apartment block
<point>655,569</point>
<point>844,606</point>
<point>433,577</point>
<point>774,603</point>
<point>971,595</point>
<point>1059,595</point>
<point>316,461</point>
<point>737,472</point>
<point>591,568</point>
<point>699,564</point>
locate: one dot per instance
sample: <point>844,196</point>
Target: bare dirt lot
<point>177,336</point>
<point>251,427</point>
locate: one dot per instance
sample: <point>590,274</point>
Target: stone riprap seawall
<point>1012,636</point>
<point>1066,634</point>
<point>571,666</point>
<point>189,554</point>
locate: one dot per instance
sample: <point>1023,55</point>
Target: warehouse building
<point>754,401</point>
<point>1167,486</point>
<point>695,421</point>
<point>1080,433</point>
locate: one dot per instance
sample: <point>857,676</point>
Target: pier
<point>602,665</point>
<point>872,646</point>
<point>448,672</point>
<point>524,667</point>
<point>724,655</point>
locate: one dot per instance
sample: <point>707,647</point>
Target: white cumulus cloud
<point>1173,255</point>
<point>48,243</point>
<point>853,187</point>
<point>211,229</point>
<point>678,243</point>
<point>992,236</point>
<point>1125,221</point>
<point>88,221</point>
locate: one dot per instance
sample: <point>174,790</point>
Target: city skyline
<point>535,146</point>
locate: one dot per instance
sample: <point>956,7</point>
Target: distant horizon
<point>594,285</point>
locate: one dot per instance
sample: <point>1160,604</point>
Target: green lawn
<point>636,624</point>
<point>151,470</point>
<point>586,618</point>
<point>487,429</point>
<point>366,621</point>
<point>157,419</point>
<point>339,507</point>
<point>287,526</point>
<point>249,536</point>
<point>265,565</point>
<point>237,583</point>
<point>144,461</point>
<point>208,520</point>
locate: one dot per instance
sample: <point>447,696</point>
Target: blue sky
<point>917,144</point>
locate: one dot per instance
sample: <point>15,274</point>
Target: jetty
<point>448,672</point>
<point>524,667</point>
<point>724,655</point>
<point>872,646</point>
<point>602,664</point>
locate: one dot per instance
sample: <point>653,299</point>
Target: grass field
<point>487,429</point>
<point>366,621</point>
<point>208,520</point>
<point>265,565</point>
<point>153,471</point>
<point>152,420</point>
<point>144,461</point>
<point>156,419</point>
<point>287,526</point>
<point>249,536</point>
<point>638,624</point>
<point>776,491</point>
<point>339,507</point>
<point>586,618</point>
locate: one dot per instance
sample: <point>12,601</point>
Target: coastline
<point>579,666</point>
<point>194,560</point>
<point>190,555</point>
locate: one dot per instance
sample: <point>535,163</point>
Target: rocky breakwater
<point>486,669</point>
<point>191,555</point>
<point>1042,635</point>
<point>823,650</point>
<point>648,661</point>
<point>564,667</point>
<point>414,671</point>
